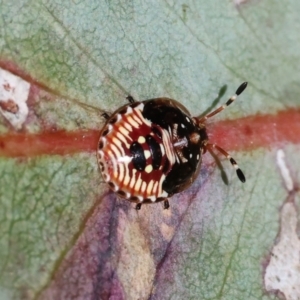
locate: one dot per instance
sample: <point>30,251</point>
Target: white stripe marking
<point>133,122</point>
<point>149,187</point>
<point>144,185</point>
<point>133,179</point>
<point>128,126</point>
<point>123,139</point>
<point>138,183</point>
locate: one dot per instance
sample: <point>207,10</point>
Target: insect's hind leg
<point>130,99</point>
<point>239,172</point>
<point>105,116</point>
<point>166,204</point>
<point>138,206</point>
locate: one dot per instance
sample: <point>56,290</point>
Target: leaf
<point>63,235</point>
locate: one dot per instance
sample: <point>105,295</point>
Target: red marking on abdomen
<point>242,134</point>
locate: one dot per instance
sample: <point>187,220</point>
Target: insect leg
<point>105,116</point>
<point>130,99</point>
<point>166,204</point>
<point>239,172</point>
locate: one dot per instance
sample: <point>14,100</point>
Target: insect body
<point>151,150</point>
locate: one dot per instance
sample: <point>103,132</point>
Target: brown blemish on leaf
<point>7,86</point>
<point>9,106</point>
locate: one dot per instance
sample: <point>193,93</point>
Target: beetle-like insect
<point>151,150</point>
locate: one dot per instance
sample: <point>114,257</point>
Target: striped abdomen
<point>135,155</point>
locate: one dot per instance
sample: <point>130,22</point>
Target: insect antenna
<point>240,89</point>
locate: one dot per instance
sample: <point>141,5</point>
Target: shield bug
<point>151,150</point>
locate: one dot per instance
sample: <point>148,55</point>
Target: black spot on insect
<point>105,132</point>
<point>112,185</point>
<point>123,111</point>
<point>101,166</point>
<point>138,156</point>
<point>101,144</point>
<point>121,193</point>
<point>113,120</point>
<point>155,151</point>
<point>134,199</point>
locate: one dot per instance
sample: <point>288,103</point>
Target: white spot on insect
<point>198,156</point>
<point>125,159</point>
<point>119,117</point>
<point>148,169</point>
<point>191,155</point>
<point>129,110</point>
<point>147,154</point>
<point>140,107</point>
<point>182,125</point>
<point>164,194</point>
<point>285,172</point>
<point>14,93</point>
<point>141,140</point>
<point>188,119</point>
<point>152,198</point>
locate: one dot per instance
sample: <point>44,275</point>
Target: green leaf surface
<point>63,235</point>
